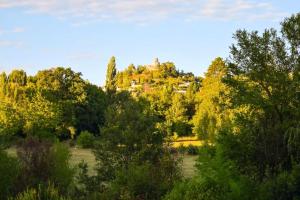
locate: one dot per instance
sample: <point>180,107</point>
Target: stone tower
<point>155,65</point>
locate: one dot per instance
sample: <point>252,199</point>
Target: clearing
<point>79,154</point>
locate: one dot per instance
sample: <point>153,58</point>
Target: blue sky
<point>84,34</point>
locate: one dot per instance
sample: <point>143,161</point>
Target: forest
<point>245,113</point>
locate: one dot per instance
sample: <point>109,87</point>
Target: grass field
<point>79,154</point>
<point>186,141</point>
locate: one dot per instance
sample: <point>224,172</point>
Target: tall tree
<point>209,114</point>
<point>111,73</point>
<point>131,156</point>
<point>264,75</point>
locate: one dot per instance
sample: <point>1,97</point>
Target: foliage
<point>192,150</point>
<point>263,75</point>
<point>85,140</point>
<point>110,84</point>
<point>245,109</point>
<point>143,181</point>
<point>129,140</point>
<point>55,101</point>
<point>62,173</point>
<point>210,113</point>
<point>41,193</point>
<point>255,153</point>
<point>42,162</point>
<point>216,179</point>
<point>9,171</point>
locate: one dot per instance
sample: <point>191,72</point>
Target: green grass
<point>86,155</point>
<point>188,165</point>
<point>79,154</point>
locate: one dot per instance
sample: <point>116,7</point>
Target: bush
<point>46,135</point>
<point>141,181</point>
<point>61,172</point>
<point>35,160</point>
<point>283,186</point>
<point>9,170</point>
<point>85,139</point>
<point>6,141</point>
<point>43,162</point>
<point>192,150</point>
<point>41,193</point>
<point>181,149</point>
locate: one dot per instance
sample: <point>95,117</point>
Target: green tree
<point>111,72</point>
<point>176,116</point>
<point>129,140</point>
<point>89,113</point>
<point>263,75</point>
<point>66,90</point>
<point>210,113</point>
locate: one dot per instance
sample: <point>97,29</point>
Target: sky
<point>84,34</point>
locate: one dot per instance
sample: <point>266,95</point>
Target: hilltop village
<point>148,78</point>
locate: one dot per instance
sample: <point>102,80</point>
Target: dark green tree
<point>263,75</point>
<point>130,141</point>
<point>111,72</point>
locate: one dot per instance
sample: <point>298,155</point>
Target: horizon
<point>83,35</point>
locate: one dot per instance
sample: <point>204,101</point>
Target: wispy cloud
<point>145,11</point>
<point>239,10</point>
<point>12,30</point>
<point>83,56</point>
<point>10,43</point>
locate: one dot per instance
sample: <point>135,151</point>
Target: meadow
<point>86,155</point>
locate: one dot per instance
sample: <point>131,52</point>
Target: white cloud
<point>13,30</point>
<point>10,43</point>
<point>82,56</point>
<point>238,10</point>
<point>17,30</point>
<point>144,11</point>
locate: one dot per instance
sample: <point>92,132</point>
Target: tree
<point>111,72</point>
<point>168,69</point>
<point>257,155</point>
<point>176,116</point>
<point>130,142</point>
<point>89,113</point>
<point>66,90</point>
<point>264,76</point>
<point>210,114</point>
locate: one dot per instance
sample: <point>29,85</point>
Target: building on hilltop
<point>154,66</point>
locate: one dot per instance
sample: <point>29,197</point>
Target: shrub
<point>46,135</point>
<point>181,149</point>
<point>192,150</point>
<point>86,139</point>
<point>283,186</point>
<point>6,141</point>
<point>43,162</point>
<point>142,181</point>
<point>35,160</point>
<point>9,170</point>
<point>61,172</point>
<point>41,193</point>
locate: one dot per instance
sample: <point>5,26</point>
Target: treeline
<point>55,102</point>
<point>59,103</point>
<point>246,110</point>
<point>254,126</point>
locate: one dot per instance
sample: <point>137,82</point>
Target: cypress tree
<point>110,84</point>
